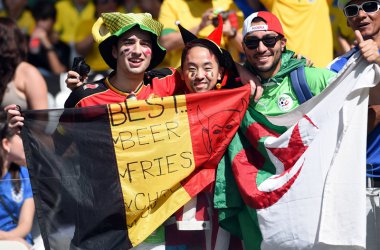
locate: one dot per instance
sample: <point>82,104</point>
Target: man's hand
<point>14,118</point>
<point>247,77</point>
<point>73,80</point>
<point>206,20</point>
<point>368,48</point>
<point>308,63</point>
<point>256,88</point>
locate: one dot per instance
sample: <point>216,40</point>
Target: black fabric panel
<point>73,170</point>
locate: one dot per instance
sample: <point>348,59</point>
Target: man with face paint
<point>130,48</point>
<point>264,45</point>
<point>363,16</point>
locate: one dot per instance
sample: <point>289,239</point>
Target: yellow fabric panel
<point>25,22</point>
<point>68,18</point>
<point>93,58</point>
<point>148,133</point>
<point>189,13</point>
<point>307,27</point>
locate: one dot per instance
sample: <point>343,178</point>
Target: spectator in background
<point>343,36</point>
<point>16,198</point>
<point>307,27</point>
<point>46,51</point>
<point>137,6</point>
<point>197,16</point>
<point>130,6</point>
<point>151,6</point>
<point>69,13</point>
<point>18,11</point>
<point>21,82</point>
<point>84,42</point>
<point>248,6</point>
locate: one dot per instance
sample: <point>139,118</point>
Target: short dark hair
<point>43,10</point>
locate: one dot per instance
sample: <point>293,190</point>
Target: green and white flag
<point>297,181</point>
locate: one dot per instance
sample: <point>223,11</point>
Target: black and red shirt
<point>157,83</point>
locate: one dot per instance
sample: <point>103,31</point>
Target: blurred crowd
<point>58,30</point>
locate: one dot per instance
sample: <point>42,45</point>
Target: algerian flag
<point>297,181</point>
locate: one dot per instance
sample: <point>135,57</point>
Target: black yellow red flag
<point>105,177</point>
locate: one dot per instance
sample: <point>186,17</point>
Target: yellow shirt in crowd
<point>339,27</point>
<point>307,27</point>
<point>68,18</point>
<point>25,22</point>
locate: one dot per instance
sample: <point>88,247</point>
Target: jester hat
<point>212,42</point>
<point>110,26</point>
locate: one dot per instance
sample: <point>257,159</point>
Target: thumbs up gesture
<point>368,48</point>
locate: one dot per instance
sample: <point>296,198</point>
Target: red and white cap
<point>272,23</point>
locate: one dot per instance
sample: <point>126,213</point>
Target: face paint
<point>125,51</point>
<point>135,52</point>
<point>147,51</point>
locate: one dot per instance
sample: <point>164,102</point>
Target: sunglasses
<point>253,42</point>
<point>353,9</point>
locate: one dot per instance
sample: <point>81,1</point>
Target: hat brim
<point>105,47</point>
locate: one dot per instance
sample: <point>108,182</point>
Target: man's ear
<point>220,73</point>
<point>5,144</point>
<point>114,51</point>
<point>283,43</point>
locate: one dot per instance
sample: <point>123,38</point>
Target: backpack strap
<point>299,84</point>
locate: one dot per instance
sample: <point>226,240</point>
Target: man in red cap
<point>264,45</point>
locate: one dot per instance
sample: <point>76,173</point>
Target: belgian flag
<point>105,177</point>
